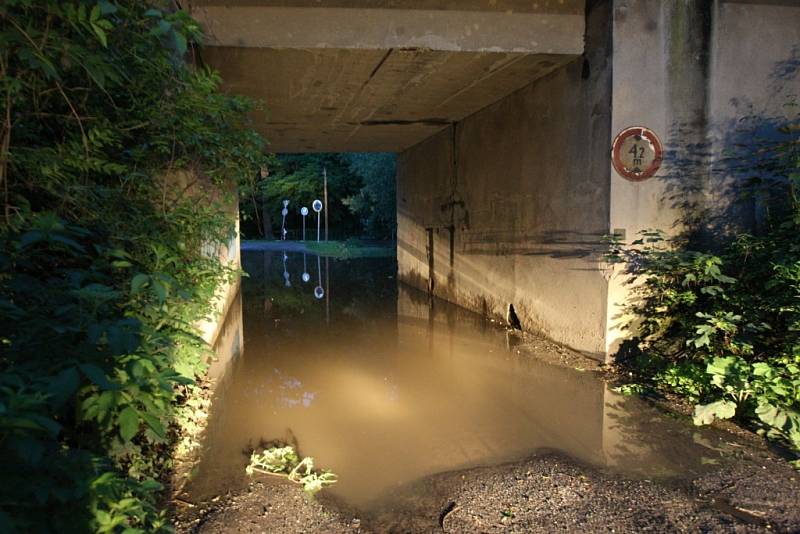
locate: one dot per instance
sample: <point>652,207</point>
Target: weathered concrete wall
<point>513,201</point>
<point>708,78</point>
<point>753,83</point>
<point>508,205</point>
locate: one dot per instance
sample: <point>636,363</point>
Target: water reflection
<point>383,388</point>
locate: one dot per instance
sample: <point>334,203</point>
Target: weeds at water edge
<point>284,461</point>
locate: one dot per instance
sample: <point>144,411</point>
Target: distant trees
<point>361,195</point>
<point>375,203</point>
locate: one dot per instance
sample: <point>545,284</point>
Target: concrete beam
<point>554,32</point>
<point>571,7</point>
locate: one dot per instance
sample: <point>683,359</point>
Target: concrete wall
<point>708,78</point>
<point>508,206</point>
<point>514,200</point>
<point>225,199</point>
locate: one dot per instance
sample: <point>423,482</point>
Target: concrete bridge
<point>504,112</point>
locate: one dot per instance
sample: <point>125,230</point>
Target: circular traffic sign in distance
<point>285,203</point>
<point>284,212</point>
<point>637,153</point>
<point>319,292</point>
<point>304,211</point>
<point>306,277</point>
<point>317,205</point>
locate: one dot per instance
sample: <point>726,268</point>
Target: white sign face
<point>304,211</point>
<point>636,153</point>
<point>284,212</point>
<point>306,277</point>
<point>317,205</point>
<point>285,203</point>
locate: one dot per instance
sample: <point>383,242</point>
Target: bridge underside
<point>503,113</point>
<point>356,100</point>
<point>365,75</point>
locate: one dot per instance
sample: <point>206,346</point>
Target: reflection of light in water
<point>306,277</point>
<point>318,291</point>
<point>287,282</point>
<point>393,394</point>
<point>366,397</point>
<point>289,392</point>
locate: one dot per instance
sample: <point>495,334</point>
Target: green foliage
<point>361,195</point>
<point>630,389</point>
<point>299,179</point>
<point>720,324</point>
<point>766,393</point>
<point>274,460</point>
<point>376,203</point>
<point>106,259</point>
<point>284,461</point>
<point>352,248</point>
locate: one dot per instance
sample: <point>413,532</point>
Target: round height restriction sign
<point>636,153</point>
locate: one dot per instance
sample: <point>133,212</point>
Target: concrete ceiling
<point>345,100</point>
<point>381,75</point>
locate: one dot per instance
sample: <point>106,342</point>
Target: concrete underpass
<point>503,114</point>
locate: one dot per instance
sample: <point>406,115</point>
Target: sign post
<point>284,213</point>
<point>325,196</point>
<point>317,206</point>
<point>304,212</point>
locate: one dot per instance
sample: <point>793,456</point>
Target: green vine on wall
<point>109,136</point>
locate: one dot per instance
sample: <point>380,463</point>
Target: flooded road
<point>383,388</point>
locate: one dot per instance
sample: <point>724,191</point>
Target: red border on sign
<point>617,161</point>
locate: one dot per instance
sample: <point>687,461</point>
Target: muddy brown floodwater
<point>386,389</point>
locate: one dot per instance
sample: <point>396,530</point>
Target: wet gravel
<point>271,505</point>
<point>545,493</point>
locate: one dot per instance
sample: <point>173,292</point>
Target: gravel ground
<point>269,505</point>
<point>546,493</point>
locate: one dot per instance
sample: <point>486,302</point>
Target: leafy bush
<point>284,461</point>
<point>720,323</point>
<point>106,259</point>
